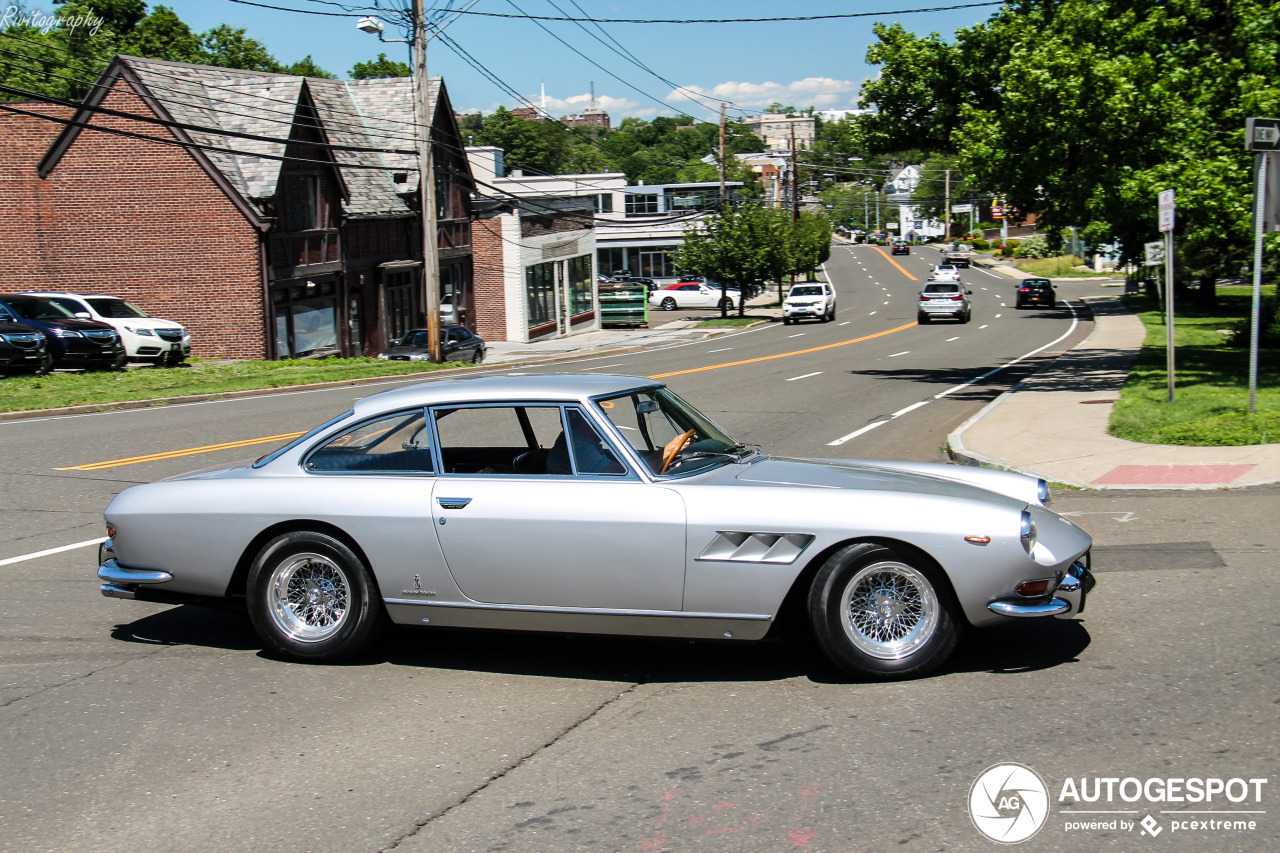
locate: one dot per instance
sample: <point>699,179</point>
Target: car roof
<point>550,387</point>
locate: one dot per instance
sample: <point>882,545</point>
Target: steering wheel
<point>673,448</point>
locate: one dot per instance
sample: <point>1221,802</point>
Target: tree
<point>306,67</point>
<point>380,67</point>
<point>739,246</point>
<point>229,47</point>
<point>163,35</point>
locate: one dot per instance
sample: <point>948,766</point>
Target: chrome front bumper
<point>120,582</point>
<point>1067,600</point>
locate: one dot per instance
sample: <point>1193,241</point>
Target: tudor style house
<point>273,215</point>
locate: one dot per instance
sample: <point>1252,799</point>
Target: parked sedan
<point>146,339</point>
<point>23,350</point>
<point>949,299</point>
<point>1036,291</point>
<point>459,344</point>
<point>72,342</point>
<point>692,294</point>
<point>597,505</point>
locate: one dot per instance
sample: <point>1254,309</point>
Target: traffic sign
<point>962,208</point>
<point>1166,210</point>
<point>1262,134</point>
<point>1154,253</point>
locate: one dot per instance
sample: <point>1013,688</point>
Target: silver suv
<point>948,299</point>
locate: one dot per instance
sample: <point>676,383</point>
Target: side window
<point>394,444</point>
<point>591,455</point>
<point>497,439</point>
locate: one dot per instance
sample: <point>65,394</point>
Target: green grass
<point>75,389</point>
<point>719,322</point>
<point>1060,267</point>
<point>1211,380</point>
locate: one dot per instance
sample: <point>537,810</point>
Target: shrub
<point>1036,246</point>
<point>1268,327</point>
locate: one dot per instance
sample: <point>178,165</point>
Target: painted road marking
<point>890,259</point>
<point>603,366</point>
<point>45,553</point>
<point>949,340</point>
<point>983,326</point>
<point>800,335</point>
<point>896,354</point>
<point>722,349</point>
<point>175,454</point>
<point>805,376</point>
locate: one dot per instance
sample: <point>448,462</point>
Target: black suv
<point>72,342</point>
<point>1036,291</point>
<point>23,350</point>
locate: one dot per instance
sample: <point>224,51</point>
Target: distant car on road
<point>23,350</point>
<point>692,294</point>
<point>146,339</point>
<point>945,272</point>
<point>459,344</point>
<point>811,300</point>
<point>72,342</point>
<point>1036,291</point>
<point>948,299</point>
<point>901,247</point>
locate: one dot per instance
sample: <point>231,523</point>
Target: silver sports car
<point>592,504</point>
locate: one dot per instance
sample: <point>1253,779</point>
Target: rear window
<point>1036,282</point>
<point>943,287</point>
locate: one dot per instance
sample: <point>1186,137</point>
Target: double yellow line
<point>289,436</point>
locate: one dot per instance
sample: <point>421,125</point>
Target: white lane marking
<point>722,349</point>
<point>986,288</point>
<point>806,376</point>
<point>801,335</point>
<point>984,272</point>
<point>983,326</point>
<point>846,322</point>
<point>956,338</point>
<point>997,317</point>
<point>1075,321</point>
<point>896,354</point>
<point>1002,305</point>
<point>38,554</point>
<point>872,314</point>
<point>603,366</point>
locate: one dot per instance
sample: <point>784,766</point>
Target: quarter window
<point>394,444</point>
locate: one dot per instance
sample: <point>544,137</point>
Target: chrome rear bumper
<point>1067,601</point>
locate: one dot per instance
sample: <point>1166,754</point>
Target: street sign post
<point>1262,137</point>
<point>1166,200</point>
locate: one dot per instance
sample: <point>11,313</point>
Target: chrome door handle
<point>453,503</point>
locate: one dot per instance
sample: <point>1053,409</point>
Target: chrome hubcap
<point>309,597</point>
<point>889,610</point>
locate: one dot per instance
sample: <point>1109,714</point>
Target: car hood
<point>406,351</point>
<point>1015,490</point>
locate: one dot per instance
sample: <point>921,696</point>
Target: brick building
<point>273,215</point>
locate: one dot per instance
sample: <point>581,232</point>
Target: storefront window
<point>305,318</point>
<point>580,285</point>
<point>540,287</point>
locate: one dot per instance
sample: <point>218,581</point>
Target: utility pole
<point>946,211</point>
<point>795,178</point>
<point>722,199</point>
<point>426,183</point>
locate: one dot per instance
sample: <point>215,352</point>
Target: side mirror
<point>969,292</point>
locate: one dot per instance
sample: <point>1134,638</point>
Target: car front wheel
<point>668,304</point>
<point>312,599</point>
<point>876,612</point>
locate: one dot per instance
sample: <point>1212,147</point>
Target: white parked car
<point>813,300</point>
<point>145,338</point>
<point>692,294</point>
<point>946,272</point>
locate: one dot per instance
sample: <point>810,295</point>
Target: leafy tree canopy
<point>380,67</point>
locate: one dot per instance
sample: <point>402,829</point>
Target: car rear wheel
<point>477,355</point>
<point>922,319</point>
<point>312,599</point>
<point>877,612</point>
<point>668,304</point>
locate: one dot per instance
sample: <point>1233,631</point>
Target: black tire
<point>922,319</point>
<point>312,599</point>
<point>477,355</point>
<point>726,304</point>
<point>786,321</point>
<point>908,622</point>
<point>669,304</point>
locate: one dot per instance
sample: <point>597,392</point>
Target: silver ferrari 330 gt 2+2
<point>599,505</point>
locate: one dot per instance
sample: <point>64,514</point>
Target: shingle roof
<point>358,113</point>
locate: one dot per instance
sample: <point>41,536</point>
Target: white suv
<point>146,339</point>
<point>813,299</point>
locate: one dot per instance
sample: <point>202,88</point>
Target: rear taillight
<point>1024,289</point>
<point>924,297</point>
<point>956,298</point>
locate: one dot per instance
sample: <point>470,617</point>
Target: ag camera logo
<point>1009,803</point>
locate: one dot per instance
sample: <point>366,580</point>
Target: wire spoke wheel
<point>308,597</point>
<point>889,610</point>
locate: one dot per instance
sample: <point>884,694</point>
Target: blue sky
<point>818,63</point>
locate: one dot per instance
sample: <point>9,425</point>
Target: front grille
<point>26,341</point>
<point>100,337</point>
<point>171,335</point>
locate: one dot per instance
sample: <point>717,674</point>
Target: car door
<point>582,530</point>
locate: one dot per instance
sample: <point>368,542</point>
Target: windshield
<point>31,308</point>
<point>116,309</point>
<point>806,290</point>
<point>653,423</point>
<point>416,338</point>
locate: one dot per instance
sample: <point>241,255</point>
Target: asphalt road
<point>135,727</point>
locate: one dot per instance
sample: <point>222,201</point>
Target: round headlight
<point>1028,531</point>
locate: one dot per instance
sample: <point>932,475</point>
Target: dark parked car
<point>23,350</point>
<point>1036,291</point>
<point>460,344</point>
<point>72,342</point>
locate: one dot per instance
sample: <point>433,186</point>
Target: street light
<point>371,26</point>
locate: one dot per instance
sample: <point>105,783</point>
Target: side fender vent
<point>740,547</point>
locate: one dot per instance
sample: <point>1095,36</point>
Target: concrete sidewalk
<point>1054,425</point>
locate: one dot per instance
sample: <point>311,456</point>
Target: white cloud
<point>823,92</point>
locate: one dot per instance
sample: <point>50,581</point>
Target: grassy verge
<point>75,389</point>
<point>1060,267</point>
<point>720,322</point>
<point>1211,378</point>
